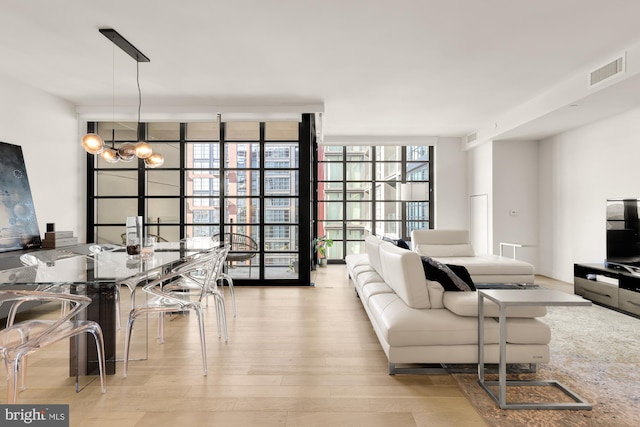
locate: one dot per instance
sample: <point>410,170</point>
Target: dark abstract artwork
<point>18,224</point>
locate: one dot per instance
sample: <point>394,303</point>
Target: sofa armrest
<point>436,294</point>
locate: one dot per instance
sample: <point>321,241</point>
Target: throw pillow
<point>402,244</point>
<point>444,274</point>
<point>462,272</point>
<point>397,242</point>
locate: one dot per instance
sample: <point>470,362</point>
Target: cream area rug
<point>595,352</point>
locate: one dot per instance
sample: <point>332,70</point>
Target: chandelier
<point>94,143</point>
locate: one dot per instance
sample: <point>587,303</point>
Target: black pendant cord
<point>139,98</point>
<point>113,97</point>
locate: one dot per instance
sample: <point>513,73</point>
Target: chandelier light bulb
<point>127,152</point>
<point>93,143</point>
<point>155,160</point>
<point>143,150</point>
<point>110,155</point>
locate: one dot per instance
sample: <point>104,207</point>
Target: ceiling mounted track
<point>124,44</point>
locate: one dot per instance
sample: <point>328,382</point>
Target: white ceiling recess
<point>602,90</point>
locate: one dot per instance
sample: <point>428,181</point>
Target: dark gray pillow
<point>402,244</point>
<point>398,242</point>
<point>451,277</point>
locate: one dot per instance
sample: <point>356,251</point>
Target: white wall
<point>505,175</point>
<point>450,184</point>
<point>47,130</point>
<point>480,185</point>
<point>579,171</point>
<point>515,197</point>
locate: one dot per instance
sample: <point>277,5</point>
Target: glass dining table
<point>95,271</point>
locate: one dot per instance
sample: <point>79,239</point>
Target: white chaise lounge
<point>454,247</point>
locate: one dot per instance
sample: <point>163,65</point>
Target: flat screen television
<point>623,232</point>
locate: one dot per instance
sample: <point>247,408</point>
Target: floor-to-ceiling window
<point>359,194</point>
<point>219,179</point>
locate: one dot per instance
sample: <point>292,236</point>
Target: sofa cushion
<point>354,260</point>
<point>372,243</point>
<point>466,304</point>
<point>374,288</point>
<point>442,243</point>
<point>359,269</point>
<point>403,326</point>
<point>461,249</point>
<point>487,264</point>
<point>367,277</point>
<point>402,271</point>
<point>357,263</point>
<point>446,276</point>
<point>440,236</point>
<point>527,331</point>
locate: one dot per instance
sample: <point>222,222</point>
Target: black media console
<point>618,289</point>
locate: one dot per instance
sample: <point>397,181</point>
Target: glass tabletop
<point>84,264</point>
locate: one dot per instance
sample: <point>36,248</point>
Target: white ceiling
<point>379,68</point>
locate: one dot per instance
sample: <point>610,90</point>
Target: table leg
<point>102,310</point>
<point>502,373</point>
<point>481,338</point>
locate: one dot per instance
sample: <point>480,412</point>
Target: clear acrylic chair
<point>132,283</point>
<point>223,277</point>
<point>170,296</point>
<point>218,277</point>
<point>46,258</point>
<point>194,281</point>
<point>19,339</point>
<point>211,287</point>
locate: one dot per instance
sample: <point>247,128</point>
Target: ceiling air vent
<point>605,72</point>
<point>471,137</point>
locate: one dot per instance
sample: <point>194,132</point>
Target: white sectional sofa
<point>454,247</point>
<point>417,322</point>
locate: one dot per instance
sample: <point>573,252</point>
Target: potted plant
<point>320,245</point>
<point>293,265</point>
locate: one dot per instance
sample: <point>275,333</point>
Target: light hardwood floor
<point>296,356</point>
